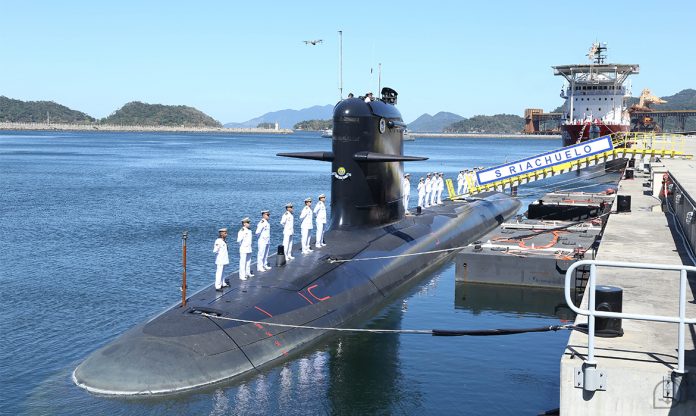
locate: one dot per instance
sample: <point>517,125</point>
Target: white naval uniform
<point>428,191</point>
<point>288,223</point>
<point>221,260</point>
<point>263,231</point>
<point>421,193</point>
<point>306,225</point>
<point>434,184</point>
<point>320,212</point>
<point>440,188</point>
<point>460,183</point>
<point>406,193</point>
<point>244,240</point>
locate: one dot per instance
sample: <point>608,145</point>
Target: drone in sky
<point>313,42</point>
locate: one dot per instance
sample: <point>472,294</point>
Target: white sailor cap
<point>288,205</point>
<point>265,211</point>
<point>321,196</point>
<point>222,230</point>
<point>408,174</point>
<point>308,200</point>
<point>246,220</point>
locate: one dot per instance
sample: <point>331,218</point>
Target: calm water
<point>90,245</point>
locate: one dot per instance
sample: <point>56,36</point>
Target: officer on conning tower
<point>244,239</point>
<point>222,258</point>
<point>320,212</point>
<point>263,231</point>
<point>288,223</point>
<point>407,190</point>
<point>306,225</point>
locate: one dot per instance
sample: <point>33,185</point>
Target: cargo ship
<point>595,95</point>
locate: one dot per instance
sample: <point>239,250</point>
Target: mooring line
<point>433,332</point>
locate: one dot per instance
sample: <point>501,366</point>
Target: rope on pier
<point>433,332</point>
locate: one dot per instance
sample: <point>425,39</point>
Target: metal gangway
<point>576,157</point>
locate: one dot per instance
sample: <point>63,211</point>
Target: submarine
<point>373,249</point>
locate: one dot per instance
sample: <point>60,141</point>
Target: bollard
<point>280,258</point>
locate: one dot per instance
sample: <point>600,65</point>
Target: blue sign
<point>545,160</point>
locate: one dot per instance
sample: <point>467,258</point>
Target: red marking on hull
<point>309,290</point>
<point>259,309</point>
<point>305,298</point>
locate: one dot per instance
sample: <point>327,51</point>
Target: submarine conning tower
<point>366,162</point>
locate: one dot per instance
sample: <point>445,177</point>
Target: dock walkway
<point>637,363</point>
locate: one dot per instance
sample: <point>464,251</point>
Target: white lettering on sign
<point>567,154</point>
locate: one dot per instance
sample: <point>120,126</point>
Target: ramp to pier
<point>575,157</point>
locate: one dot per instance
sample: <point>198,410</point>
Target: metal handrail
<point>591,312</point>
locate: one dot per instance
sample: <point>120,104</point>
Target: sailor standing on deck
<point>288,223</point>
<point>433,189</point>
<point>222,259</point>
<point>263,231</point>
<point>244,239</point>
<point>306,225</point>
<point>406,190</point>
<point>320,212</point>
<point>460,182</point>
<point>428,190</point>
<point>421,192</point>
<point>440,187</point>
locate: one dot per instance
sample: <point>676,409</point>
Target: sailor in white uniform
<point>440,187</point>
<point>435,185</point>
<point>288,223</point>
<point>460,182</point>
<point>306,217</point>
<point>222,258</point>
<point>428,190</point>
<point>406,190</point>
<point>263,232</point>
<point>421,192</point>
<point>320,212</point>
<point>244,238</point>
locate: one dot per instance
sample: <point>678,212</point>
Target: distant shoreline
<point>247,130</point>
<point>112,127</point>
<point>485,135</point>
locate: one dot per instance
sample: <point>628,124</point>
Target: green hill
<point>142,114</point>
<point>18,111</point>
<point>315,125</point>
<point>497,124</point>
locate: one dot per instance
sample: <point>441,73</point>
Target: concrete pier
<point>638,365</point>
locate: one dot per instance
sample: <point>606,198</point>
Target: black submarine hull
<point>356,272</point>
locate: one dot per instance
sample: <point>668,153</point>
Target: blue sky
<point>237,60</point>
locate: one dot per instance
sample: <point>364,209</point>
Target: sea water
<point>90,246</point>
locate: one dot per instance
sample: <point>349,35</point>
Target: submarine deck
<point>181,348</point>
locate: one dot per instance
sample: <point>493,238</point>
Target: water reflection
<point>364,370</point>
<point>478,298</point>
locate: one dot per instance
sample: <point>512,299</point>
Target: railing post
<point>591,317</point>
<point>682,318</point>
